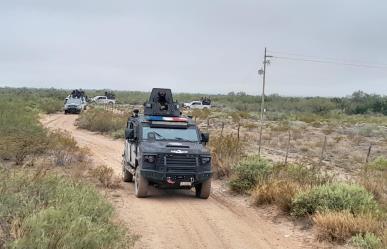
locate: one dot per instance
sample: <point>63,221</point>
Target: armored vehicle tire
<point>140,185</point>
<point>126,175</point>
<point>203,190</point>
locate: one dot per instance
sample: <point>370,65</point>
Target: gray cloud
<point>192,46</point>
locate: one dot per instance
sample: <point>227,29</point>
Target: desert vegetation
<point>341,211</point>
<point>47,197</point>
<point>322,159</point>
<point>41,210</point>
<point>104,121</point>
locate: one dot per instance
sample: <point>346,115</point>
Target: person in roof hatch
<point>161,99</point>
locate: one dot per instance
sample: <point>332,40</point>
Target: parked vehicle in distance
<point>165,149</point>
<point>197,105</point>
<point>74,104</point>
<point>103,100</point>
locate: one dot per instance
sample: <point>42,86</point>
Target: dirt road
<point>175,219</point>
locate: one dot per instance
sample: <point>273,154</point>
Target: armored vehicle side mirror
<point>129,134</point>
<point>205,137</point>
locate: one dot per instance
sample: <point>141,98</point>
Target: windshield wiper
<point>182,139</point>
<point>160,136</point>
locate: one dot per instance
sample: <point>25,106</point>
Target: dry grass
<point>96,119</point>
<point>226,151</point>
<point>278,192</point>
<point>105,175</point>
<point>341,226</point>
<point>374,178</point>
<point>40,209</point>
<point>285,182</point>
<point>64,148</point>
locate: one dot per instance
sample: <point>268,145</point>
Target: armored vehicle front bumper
<point>73,109</point>
<point>169,170</point>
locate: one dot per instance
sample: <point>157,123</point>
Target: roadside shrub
<point>100,120</point>
<point>200,114</point>
<point>301,174</point>
<point>20,132</point>
<point>50,105</point>
<point>380,163</point>
<point>105,175</point>
<point>285,182</point>
<point>65,149</point>
<point>226,151</point>
<point>342,225</point>
<point>120,133</point>
<point>41,210</point>
<point>334,197</point>
<point>367,241</point>
<point>374,178</point>
<point>250,172</point>
<point>278,192</point>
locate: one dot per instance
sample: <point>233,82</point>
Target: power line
<point>312,57</point>
<point>325,61</point>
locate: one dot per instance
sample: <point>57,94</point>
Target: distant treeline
<point>357,103</point>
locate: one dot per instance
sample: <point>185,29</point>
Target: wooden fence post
<point>368,153</point>
<point>221,132</point>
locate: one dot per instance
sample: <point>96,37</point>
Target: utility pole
<point>263,73</point>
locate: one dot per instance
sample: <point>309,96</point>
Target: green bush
<point>249,173</point>
<point>100,120</point>
<point>23,136</point>
<point>374,178</point>
<point>367,241</point>
<point>21,133</point>
<point>334,197</point>
<point>47,211</point>
<point>380,163</point>
<point>285,182</point>
<point>301,175</point>
<point>50,105</point>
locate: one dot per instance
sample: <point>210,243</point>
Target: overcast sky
<point>194,46</point>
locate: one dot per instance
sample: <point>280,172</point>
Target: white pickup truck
<point>196,105</point>
<point>103,100</point>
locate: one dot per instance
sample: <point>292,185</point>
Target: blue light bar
<point>161,118</point>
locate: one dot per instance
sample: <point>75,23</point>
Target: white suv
<point>196,105</point>
<point>103,100</point>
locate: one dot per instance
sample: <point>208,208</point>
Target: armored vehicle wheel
<point>126,175</point>
<point>203,190</point>
<point>140,185</point>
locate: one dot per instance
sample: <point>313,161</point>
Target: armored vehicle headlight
<point>206,160</point>
<point>150,158</point>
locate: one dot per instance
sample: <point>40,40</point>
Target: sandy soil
<point>176,219</point>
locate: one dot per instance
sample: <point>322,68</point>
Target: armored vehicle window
<point>190,134</point>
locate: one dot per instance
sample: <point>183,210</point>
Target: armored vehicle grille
<point>180,163</point>
<point>181,160</point>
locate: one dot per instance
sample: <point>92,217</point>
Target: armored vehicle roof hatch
<point>161,103</point>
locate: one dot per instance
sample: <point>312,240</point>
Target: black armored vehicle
<point>165,149</point>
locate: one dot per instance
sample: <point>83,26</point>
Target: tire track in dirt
<point>176,219</point>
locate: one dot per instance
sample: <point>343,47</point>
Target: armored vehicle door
<point>128,143</point>
<point>133,145</point>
